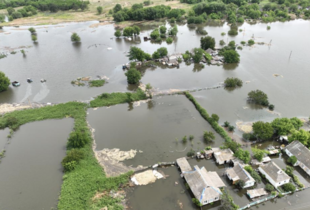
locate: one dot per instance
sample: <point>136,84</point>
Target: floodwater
<point>3,138</point>
<point>31,171</point>
<point>153,127</point>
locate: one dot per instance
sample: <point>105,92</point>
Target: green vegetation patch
<point>96,83</point>
<point>108,99</point>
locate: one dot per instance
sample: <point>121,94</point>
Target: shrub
<point>99,10</point>
<point>133,76</point>
<point>169,40</point>
<point>231,128</point>
<point>271,107</point>
<point>118,33</point>
<point>231,56</point>
<point>222,42</point>
<point>240,184</point>
<point>233,82</point>
<point>268,27</point>
<point>243,42</point>
<point>75,37</point>
<point>34,38</point>
<point>249,169</point>
<point>292,160</point>
<point>32,30</point>
<point>196,202</point>
<point>289,187</point>
<point>215,117</point>
<point>208,136</point>
<point>258,97</point>
<point>251,42</point>
<point>269,187</point>
<point>4,82</point>
<point>184,139</point>
<point>256,176</point>
<point>190,153</point>
<point>207,42</point>
<point>226,124</point>
<point>96,83</point>
<point>191,137</point>
<point>223,33</point>
<point>77,139</point>
<point>71,159</point>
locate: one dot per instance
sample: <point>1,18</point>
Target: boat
<point>15,84</point>
<point>29,80</point>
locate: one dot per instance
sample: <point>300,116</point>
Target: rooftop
<point>224,155</point>
<point>204,185</point>
<point>183,164</point>
<point>301,152</point>
<point>275,172</point>
<point>256,192</point>
<point>239,173</point>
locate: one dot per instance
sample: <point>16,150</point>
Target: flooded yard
<point>31,171</point>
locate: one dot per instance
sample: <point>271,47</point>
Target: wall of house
<point>249,184</point>
<point>210,201</point>
<point>298,163</point>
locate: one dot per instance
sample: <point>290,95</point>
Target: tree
<point>198,53</point>
<point>269,187</point>
<point>240,184</point>
<point>251,42</point>
<point>169,40</point>
<point>155,34</point>
<point>117,8</point>
<point>32,30</point>
<point>232,44</point>
<point>133,76</point>
<point>227,201</point>
<point>297,123</point>
<point>231,56</point>
<point>258,97</point>
<point>215,117</point>
<point>71,159</point>
<point>162,29</point>
<point>136,53</point>
<point>4,82</point>
<point>173,31</point>
<point>208,136</point>
<point>34,38</point>
<point>99,10</point>
<point>136,30</point>
<point>233,82</point>
<point>289,187</point>
<point>282,126</point>
<point>300,135</point>
<point>258,154</point>
<point>128,31</point>
<point>263,130</point>
<point>75,37</point>
<point>196,202</point>
<point>118,33</point>
<point>162,51</point>
<point>292,160</point>
<point>77,140</point>
<point>16,15</point>
<point>10,10</point>
<point>207,42</point>
<point>156,55</point>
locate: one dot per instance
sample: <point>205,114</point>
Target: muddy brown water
<point>153,127</point>
<point>31,171</point>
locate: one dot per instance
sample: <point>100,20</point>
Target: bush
<point>215,117</point>
<point>222,42</point>
<point>231,128</point>
<point>207,42</point>
<point>96,83</point>
<point>133,76</point>
<point>71,159</point>
<point>32,30</point>
<point>184,139</point>
<point>231,56</point>
<point>269,187</point>
<point>208,136</point>
<point>99,10</point>
<point>190,153</point>
<point>251,42</point>
<point>196,202</point>
<point>271,107</point>
<point>118,33</point>
<point>223,33</point>
<point>77,140</point>
<point>243,42</point>
<point>233,82</point>
<point>289,187</point>
<point>240,183</point>
<point>34,38</point>
<point>292,160</point>
<point>4,82</point>
<point>249,169</point>
<point>256,176</point>
<point>155,34</point>
<point>226,124</point>
<point>191,137</point>
<point>75,37</point>
<point>169,40</point>
<point>258,97</point>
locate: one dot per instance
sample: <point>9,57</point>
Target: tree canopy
<point>4,82</point>
<point>133,76</point>
<point>263,130</point>
<point>282,126</point>
<point>231,56</point>
<point>258,97</point>
<point>208,136</point>
<point>207,42</point>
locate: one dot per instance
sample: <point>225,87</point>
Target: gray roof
<point>301,152</point>
<point>275,172</point>
<point>183,164</point>
<point>239,173</point>
<point>257,192</point>
<point>224,155</point>
<point>202,183</point>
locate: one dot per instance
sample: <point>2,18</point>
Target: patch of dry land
<point>47,18</point>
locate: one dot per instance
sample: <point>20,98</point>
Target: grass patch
<point>96,83</point>
<point>108,99</point>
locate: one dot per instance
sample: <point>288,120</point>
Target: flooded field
<point>154,128</point>
<point>31,171</point>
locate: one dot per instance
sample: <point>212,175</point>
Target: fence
<point>257,202</point>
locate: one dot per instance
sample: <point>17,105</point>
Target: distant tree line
<point>138,12</point>
<point>47,5</point>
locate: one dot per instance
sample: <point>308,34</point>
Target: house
<point>265,160</point>
<point>223,156</point>
<point>302,153</point>
<point>239,173</point>
<point>204,185</point>
<point>275,175</point>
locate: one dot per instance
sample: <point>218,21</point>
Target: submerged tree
<point>75,37</point>
<point>118,33</point>
<point>208,136</point>
<point>4,82</point>
<point>207,42</point>
<point>133,76</point>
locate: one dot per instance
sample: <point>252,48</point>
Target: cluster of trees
<point>243,155</point>
<point>128,31</point>
<point>136,53</point>
<point>24,12</point>
<point>253,173</point>
<point>47,5</point>
<point>280,126</point>
<point>259,97</point>
<point>197,55</point>
<point>138,12</point>
<point>4,82</point>
<point>159,53</point>
<point>233,82</point>
<point>259,154</point>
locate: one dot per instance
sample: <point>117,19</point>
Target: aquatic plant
<point>232,82</point>
<point>96,83</point>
